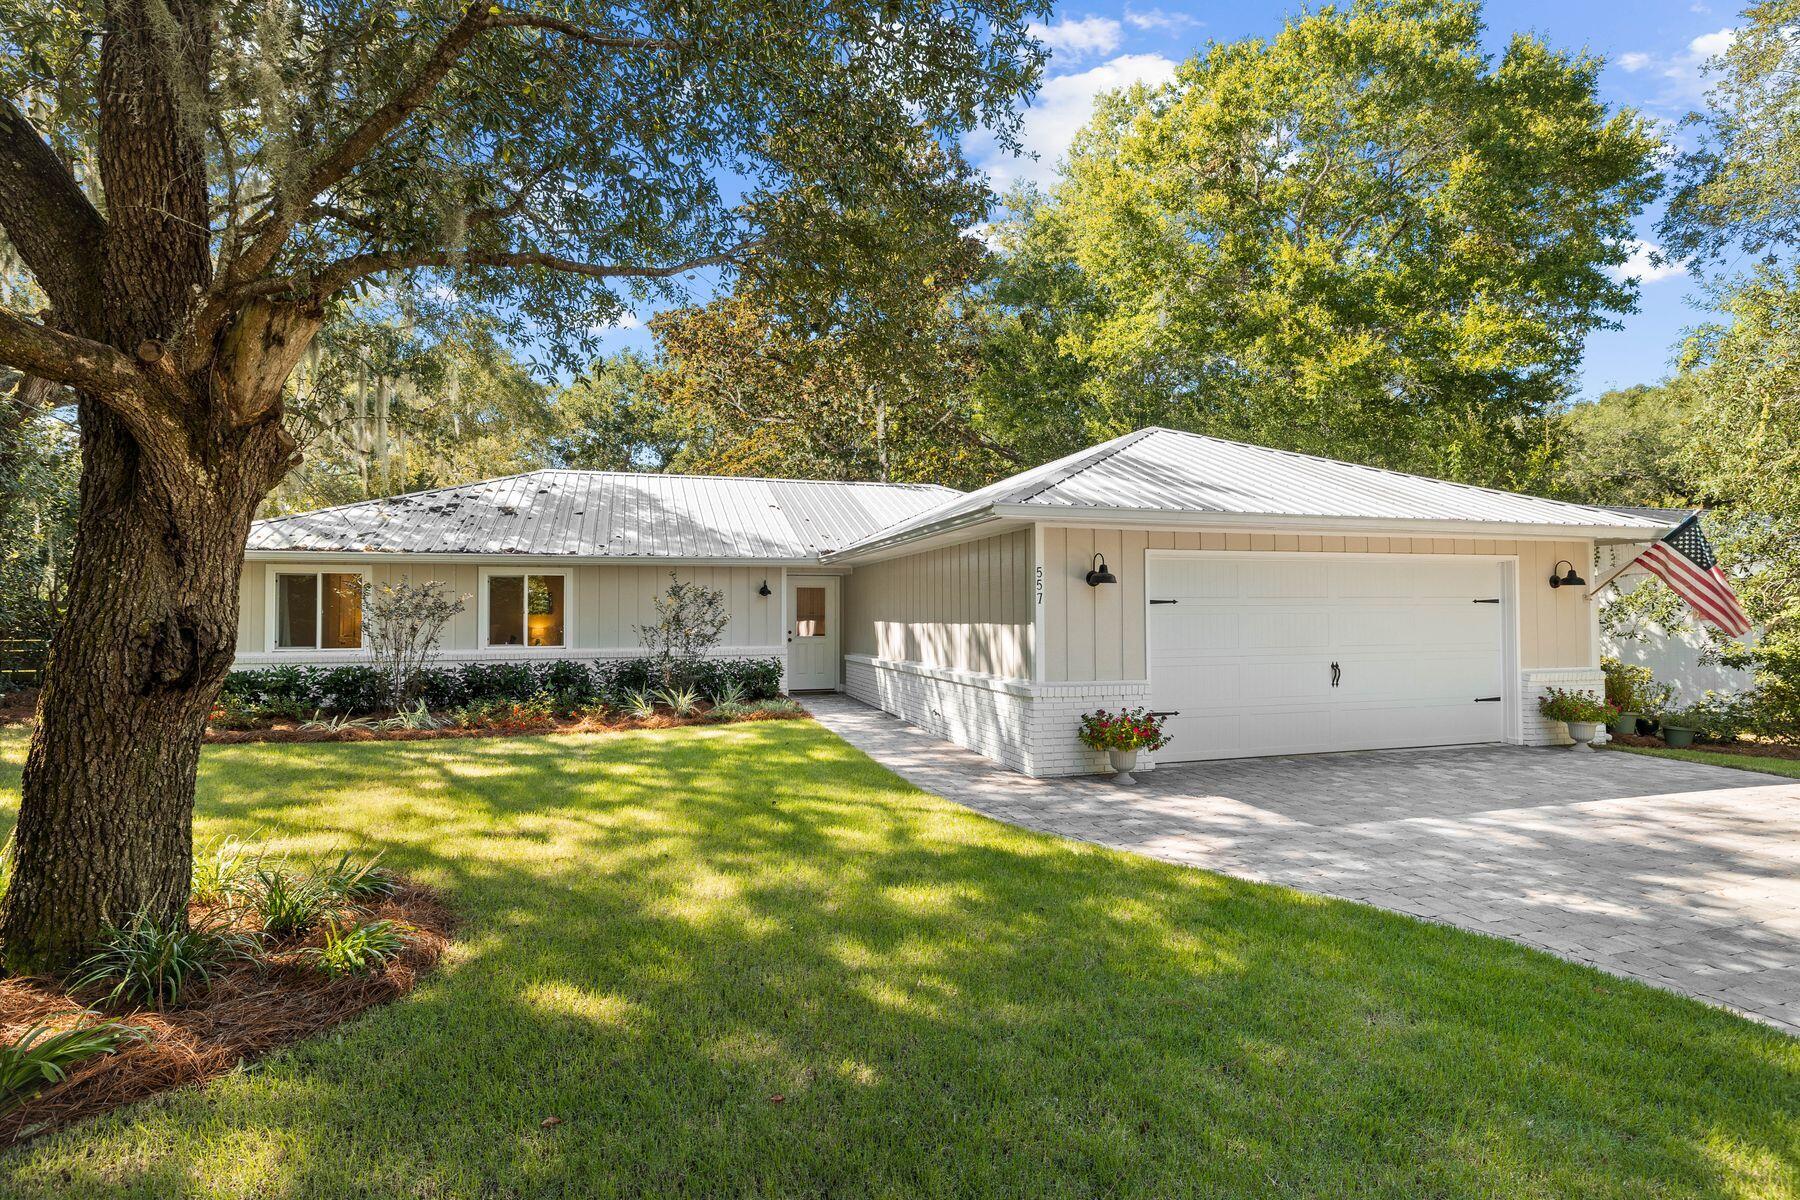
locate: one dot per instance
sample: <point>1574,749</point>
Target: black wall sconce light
<point>1569,580</point>
<point>1098,574</point>
<point>764,589</point>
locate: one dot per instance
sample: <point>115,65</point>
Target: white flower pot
<point>1584,732</point>
<point>1123,762</point>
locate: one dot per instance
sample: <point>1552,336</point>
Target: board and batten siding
<point>610,601</point>
<point>1098,633</point>
<point>965,607</point>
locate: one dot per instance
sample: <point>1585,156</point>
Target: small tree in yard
<point>403,622</point>
<point>690,620</point>
<point>191,189</point>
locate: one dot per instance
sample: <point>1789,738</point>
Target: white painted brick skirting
<point>1030,727</point>
<point>1026,726</point>
<point>1536,731</point>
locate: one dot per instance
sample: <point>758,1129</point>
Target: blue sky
<point>1654,50</point>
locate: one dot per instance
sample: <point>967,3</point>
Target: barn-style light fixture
<point>1098,574</point>
<point>1569,580</point>
<point>764,589</point>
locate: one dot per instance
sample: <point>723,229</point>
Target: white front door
<point>1264,654</point>
<point>812,613</point>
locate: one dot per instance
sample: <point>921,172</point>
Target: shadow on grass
<point>747,961</point>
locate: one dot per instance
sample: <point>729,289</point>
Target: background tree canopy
<point>1363,238</point>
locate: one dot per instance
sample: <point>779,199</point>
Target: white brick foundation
<point>1535,730</point>
<point>1028,727</point>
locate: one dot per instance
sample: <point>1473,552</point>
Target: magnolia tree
<point>402,623</point>
<point>194,186</point>
<point>690,620</point>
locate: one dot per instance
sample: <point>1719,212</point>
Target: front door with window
<point>812,633</point>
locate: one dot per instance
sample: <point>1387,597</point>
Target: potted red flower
<point>1122,735</point>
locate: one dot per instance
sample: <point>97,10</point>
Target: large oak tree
<point>193,183</point>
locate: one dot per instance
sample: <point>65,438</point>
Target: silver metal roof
<point>608,514</point>
<point>1167,471</point>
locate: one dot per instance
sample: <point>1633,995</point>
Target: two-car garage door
<point>1264,654</point>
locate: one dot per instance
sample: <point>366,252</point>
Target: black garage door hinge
<point>1488,699</point>
<point>1495,600</point>
<point>1165,602</point>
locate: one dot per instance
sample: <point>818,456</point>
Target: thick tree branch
<point>591,37</point>
<point>92,368</point>
<point>293,196</point>
<point>47,217</point>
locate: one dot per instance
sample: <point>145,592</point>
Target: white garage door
<point>1270,654</point>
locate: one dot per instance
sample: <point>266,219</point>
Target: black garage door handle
<point>1488,699</point>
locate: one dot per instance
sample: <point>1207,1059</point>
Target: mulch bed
<point>290,731</point>
<point>1745,749</point>
<point>246,1011</point>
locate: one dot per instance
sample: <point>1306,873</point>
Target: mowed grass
<point>746,961</point>
<point>1712,758</point>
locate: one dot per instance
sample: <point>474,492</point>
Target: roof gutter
<point>484,558</point>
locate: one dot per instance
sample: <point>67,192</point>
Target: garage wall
<point>962,608</point>
<point>608,602</point>
<point>1098,633</point>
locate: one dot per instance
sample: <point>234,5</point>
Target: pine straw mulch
<point>246,1011</point>
<point>290,731</point>
<point>1745,749</point>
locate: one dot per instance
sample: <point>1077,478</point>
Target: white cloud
<point>1062,106</point>
<point>624,321</point>
<point>1711,45</point>
<point>1682,74</point>
<point>1159,19</point>
<point>1643,267</point>
<point>1699,8</point>
<point>1078,39</point>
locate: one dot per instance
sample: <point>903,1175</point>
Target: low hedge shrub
<point>294,690</point>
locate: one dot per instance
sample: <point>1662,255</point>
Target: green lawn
<point>665,931</point>
<point>1743,762</point>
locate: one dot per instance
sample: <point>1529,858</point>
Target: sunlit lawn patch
<point>745,961</point>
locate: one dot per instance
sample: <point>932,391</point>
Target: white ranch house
<point>1270,602</point>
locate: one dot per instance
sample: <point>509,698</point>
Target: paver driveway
<point>1681,875</point>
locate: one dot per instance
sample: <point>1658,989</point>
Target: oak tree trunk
<point>105,830</point>
<point>169,484</point>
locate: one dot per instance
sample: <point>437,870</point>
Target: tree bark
<point>177,451</point>
<point>105,829</point>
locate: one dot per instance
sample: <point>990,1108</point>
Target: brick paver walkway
<point>1682,875</point>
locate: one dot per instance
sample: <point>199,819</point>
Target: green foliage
<point>1734,191</point>
<point>727,691</point>
<point>358,880</point>
<point>222,869</point>
<point>38,468</point>
<point>154,965</point>
<point>1628,447</point>
<point>614,419</point>
<point>780,706</point>
<point>289,904</point>
<point>640,705</point>
<point>682,701</point>
<point>1366,238</point>
<point>1127,729</point>
<point>357,949</point>
<point>299,691</point>
<point>43,1056</point>
<point>690,620</point>
<point>1559,704</point>
<point>1633,689</point>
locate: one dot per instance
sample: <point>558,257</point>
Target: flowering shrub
<point>1131,729</point>
<point>1559,705</point>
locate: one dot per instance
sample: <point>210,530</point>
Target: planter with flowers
<point>1122,735</point>
<point>1581,712</point>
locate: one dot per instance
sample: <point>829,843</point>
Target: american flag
<point>1684,560</point>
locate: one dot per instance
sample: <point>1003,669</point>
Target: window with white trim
<point>318,610</point>
<point>527,609</point>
